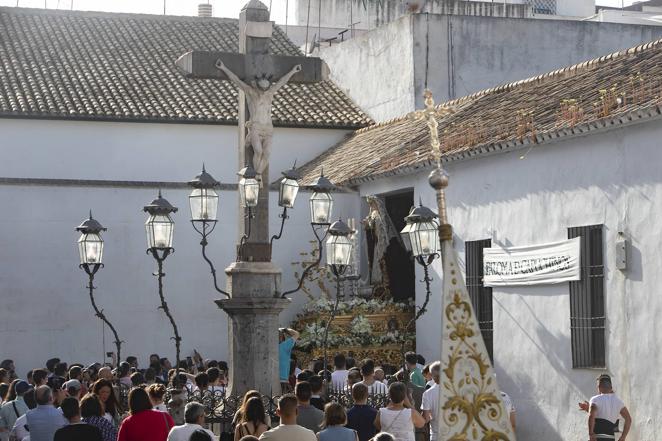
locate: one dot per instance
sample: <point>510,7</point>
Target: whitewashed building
<point>94,115</point>
<point>572,153</point>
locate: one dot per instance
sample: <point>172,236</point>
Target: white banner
<point>556,262</point>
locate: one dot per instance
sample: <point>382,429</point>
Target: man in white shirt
<point>430,402</point>
<point>604,411</point>
<point>339,375</point>
<point>510,408</point>
<point>368,373</point>
<point>194,415</point>
<point>288,430</point>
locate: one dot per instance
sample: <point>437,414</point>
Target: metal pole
<point>328,323</point>
<point>204,244</point>
<point>99,313</point>
<point>320,246</point>
<point>164,306</point>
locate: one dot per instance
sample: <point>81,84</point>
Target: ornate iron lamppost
<point>249,191</point>
<point>287,194</point>
<point>159,228</point>
<point>204,208</point>
<point>90,249</point>
<point>321,208</point>
<point>339,259</point>
<point>421,238</point>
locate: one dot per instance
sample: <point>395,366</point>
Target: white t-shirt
<point>19,427</point>
<point>161,407</point>
<point>289,432</point>
<point>376,388</point>
<point>507,402</point>
<point>339,379</point>
<point>609,406</point>
<point>183,433</point>
<point>430,402</point>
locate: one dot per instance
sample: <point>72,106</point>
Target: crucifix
<point>253,308</point>
<point>258,75</point>
<point>430,114</point>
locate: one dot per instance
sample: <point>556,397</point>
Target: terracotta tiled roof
<point>615,89</point>
<point>91,65</point>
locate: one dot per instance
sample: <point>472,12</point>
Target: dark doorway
<point>402,277</point>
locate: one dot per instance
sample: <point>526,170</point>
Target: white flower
<point>360,326</point>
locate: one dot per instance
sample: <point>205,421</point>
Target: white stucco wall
<point>458,55</point>
<point>142,152</point>
<point>611,179</point>
<point>45,306</point>
<point>376,69</point>
<point>575,8</point>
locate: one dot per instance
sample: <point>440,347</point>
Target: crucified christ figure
<point>259,96</point>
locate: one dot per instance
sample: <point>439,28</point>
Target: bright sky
<point>222,8</point>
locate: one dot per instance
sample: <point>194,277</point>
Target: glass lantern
<point>159,226</point>
<point>289,187</point>
<point>321,202</point>
<point>159,229</point>
<point>90,248</point>
<point>204,204</point>
<point>338,245</point>
<point>421,233</point>
<point>321,206</point>
<point>249,187</point>
<point>424,236</point>
<point>90,243</point>
<point>404,234</point>
<point>203,200</point>
<point>287,194</point>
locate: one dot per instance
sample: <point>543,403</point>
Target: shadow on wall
<point>531,422</point>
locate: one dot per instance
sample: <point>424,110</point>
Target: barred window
<point>587,301</point>
<point>481,296</point>
<point>547,7</point>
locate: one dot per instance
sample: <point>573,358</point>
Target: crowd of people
<point>76,402</point>
<point>72,403</point>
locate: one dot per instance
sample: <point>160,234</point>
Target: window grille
<point>481,296</point>
<point>547,7</point>
<point>587,301</point>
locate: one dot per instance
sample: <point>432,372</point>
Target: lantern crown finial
<point>204,180</point>
<point>322,184</point>
<point>292,173</point>
<point>247,172</point>
<point>160,205</point>
<point>339,228</point>
<point>90,226</point>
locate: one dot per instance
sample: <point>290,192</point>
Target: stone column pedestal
<point>253,326</point>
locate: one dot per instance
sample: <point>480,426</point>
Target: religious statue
<point>379,230</point>
<point>259,97</point>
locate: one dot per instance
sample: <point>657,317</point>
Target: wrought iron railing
<point>220,409</point>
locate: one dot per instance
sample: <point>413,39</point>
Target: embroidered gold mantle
<point>471,407</point>
<point>470,403</point>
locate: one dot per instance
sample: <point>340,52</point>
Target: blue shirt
<point>44,421</point>
<point>336,433</point>
<point>361,418</point>
<point>284,352</point>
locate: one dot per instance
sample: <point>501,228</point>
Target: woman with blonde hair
<point>335,419</point>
